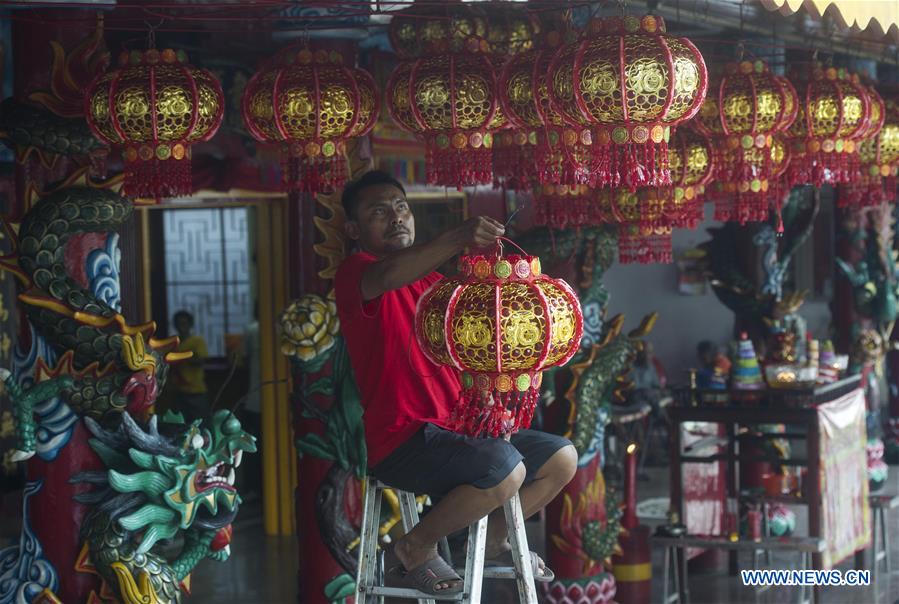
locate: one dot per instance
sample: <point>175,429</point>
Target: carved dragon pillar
<point>106,480</point>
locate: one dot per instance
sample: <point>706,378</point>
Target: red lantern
<point>631,83</point>
<point>155,105</point>
<point>450,101</point>
<point>500,323</point>
<point>552,152</point>
<point>692,162</point>
<point>310,104</point>
<point>749,105</point>
<point>834,115</point>
<point>878,153</point>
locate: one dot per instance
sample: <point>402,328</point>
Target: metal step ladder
<point>370,591</point>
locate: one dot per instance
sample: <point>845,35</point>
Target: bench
<point>676,558</point>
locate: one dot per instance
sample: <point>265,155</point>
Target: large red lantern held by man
<point>155,106</point>
<point>500,323</point>
<point>631,83</point>
<point>311,104</point>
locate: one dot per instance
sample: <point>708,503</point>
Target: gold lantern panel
<point>834,116</point>
<point>500,323</point>
<point>450,101</point>
<point>631,82</point>
<point>155,105</point>
<point>310,104</point>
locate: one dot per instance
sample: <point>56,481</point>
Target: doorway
<point>223,261</point>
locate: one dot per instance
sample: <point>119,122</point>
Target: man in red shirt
<point>408,400</point>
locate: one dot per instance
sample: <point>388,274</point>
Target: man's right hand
<point>480,231</point>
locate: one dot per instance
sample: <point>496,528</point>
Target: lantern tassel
<point>158,178</point>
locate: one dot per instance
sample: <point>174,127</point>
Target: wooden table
<point>796,408</point>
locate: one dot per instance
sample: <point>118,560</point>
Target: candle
<point>630,487</point>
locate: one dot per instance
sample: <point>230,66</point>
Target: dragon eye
<point>197,441</point>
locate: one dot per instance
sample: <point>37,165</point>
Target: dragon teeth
<point>238,457</point>
<point>231,477</point>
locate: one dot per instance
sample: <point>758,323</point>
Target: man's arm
<point>407,266</point>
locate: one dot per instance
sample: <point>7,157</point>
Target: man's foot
<point>501,555</point>
<point>415,558</point>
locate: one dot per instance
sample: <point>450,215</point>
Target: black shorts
<point>434,461</point>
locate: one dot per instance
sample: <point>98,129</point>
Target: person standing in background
<point>188,378</point>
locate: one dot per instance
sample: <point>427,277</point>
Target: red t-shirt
<point>401,389</point>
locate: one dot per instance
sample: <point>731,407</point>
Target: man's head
<point>378,216</point>
<point>644,353</point>
<point>184,322</point>
<point>707,352</point>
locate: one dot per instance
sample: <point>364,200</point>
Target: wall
<point>684,321</point>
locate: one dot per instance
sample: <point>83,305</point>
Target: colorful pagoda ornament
<point>155,105</point>
<point>746,374</point>
<point>630,83</point>
<point>747,107</point>
<point>310,104</point>
<point>500,323</point>
<point>834,115</point>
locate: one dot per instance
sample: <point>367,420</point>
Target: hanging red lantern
<point>878,153</point>
<point>834,114</point>
<point>310,104</point>
<point>747,107</point>
<point>500,323</point>
<point>631,83</point>
<point>554,153</point>
<point>419,31</point>
<point>692,163</point>
<point>450,101</point>
<point>155,105</point>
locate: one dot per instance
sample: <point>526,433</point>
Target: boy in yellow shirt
<point>188,378</point>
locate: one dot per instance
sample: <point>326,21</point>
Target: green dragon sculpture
<point>157,487</point>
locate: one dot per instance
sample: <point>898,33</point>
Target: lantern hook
<point>622,7</point>
<point>151,32</point>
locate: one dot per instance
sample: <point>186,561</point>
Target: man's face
<point>182,324</point>
<point>382,222</point>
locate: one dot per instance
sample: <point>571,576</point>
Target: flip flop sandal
<point>505,560</point>
<point>425,577</point>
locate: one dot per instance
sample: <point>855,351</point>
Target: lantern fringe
<point>508,413</point>
<point>560,211</point>
<point>318,174</point>
<point>458,168</point>
<point>643,249</point>
<point>514,166</point>
<point>158,178</point>
<point>867,192</point>
<point>630,165</point>
<point>821,168</point>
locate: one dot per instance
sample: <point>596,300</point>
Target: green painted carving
<point>157,487</point>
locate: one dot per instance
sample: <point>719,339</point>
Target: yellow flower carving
<point>308,327</point>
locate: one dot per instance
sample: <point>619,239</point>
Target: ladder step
<point>493,572</point>
<point>413,594</point>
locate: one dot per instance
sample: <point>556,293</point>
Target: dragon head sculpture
<point>161,485</point>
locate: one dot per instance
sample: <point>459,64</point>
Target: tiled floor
<point>262,570</point>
